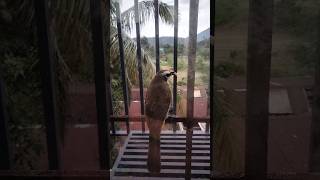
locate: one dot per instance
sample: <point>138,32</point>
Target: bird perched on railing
<point>158,100</point>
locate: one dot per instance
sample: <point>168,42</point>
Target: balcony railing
<point>259,56</point>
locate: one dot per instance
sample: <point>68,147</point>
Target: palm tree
<point>70,24</point>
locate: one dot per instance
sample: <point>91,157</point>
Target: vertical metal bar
<point>109,89</point>
<point>258,82</point>
<point>207,127</point>
<point>123,68</point>
<point>113,127</point>
<point>5,154</point>
<point>139,58</point>
<point>48,82</point>
<point>100,79</point>
<point>175,54</point>
<point>193,27</point>
<point>107,62</point>
<point>211,84</point>
<point>314,162</point>
<point>156,21</point>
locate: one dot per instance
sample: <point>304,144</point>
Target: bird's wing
<point>158,101</point>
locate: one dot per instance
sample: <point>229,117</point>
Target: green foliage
<point>226,11</point>
<point>226,69</point>
<point>305,56</point>
<point>168,49</point>
<point>145,43</point>
<point>182,64</point>
<point>181,83</point>
<point>300,19</point>
<point>146,10</point>
<point>181,49</point>
<point>72,44</point>
<point>203,49</point>
<point>117,96</point>
<point>233,54</point>
<point>21,73</point>
<point>227,153</point>
<point>202,65</point>
<point>297,16</point>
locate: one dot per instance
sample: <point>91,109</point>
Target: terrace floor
<point>131,162</point>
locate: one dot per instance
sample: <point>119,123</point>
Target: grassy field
<point>231,46</point>
<point>202,68</point>
<point>231,49</point>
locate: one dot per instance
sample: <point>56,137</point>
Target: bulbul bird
<point>158,98</point>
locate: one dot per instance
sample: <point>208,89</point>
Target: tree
<point>181,49</point>
<point>72,45</point>
<point>145,43</point>
<point>297,17</point>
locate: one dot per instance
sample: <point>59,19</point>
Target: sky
<point>167,30</point>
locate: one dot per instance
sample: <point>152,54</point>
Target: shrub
<point>227,69</point>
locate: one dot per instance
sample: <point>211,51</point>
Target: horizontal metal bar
<point>163,133</point>
<point>97,175</point>
<point>169,119</point>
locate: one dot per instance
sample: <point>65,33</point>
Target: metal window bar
<point>123,68</point>
<point>175,54</point>
<point>139,58</point>
<point>258,82</point>
<point>48,82</point>
<point>5,155</point>
<point>314,162</point>
<point>103,117</point>
<point>175,60</point>
<point>113,127</point>
<point>192,50</point>
<point>211,84</point>
<point>109,79</point>
<point>156,21</point>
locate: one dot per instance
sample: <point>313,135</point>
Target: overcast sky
<point>167,30</point>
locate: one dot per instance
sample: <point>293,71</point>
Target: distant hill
<point>204,35</point>
<point>165,40</point>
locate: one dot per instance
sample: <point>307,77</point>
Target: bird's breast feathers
<point>158,100</point>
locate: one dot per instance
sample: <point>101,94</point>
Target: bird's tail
<point>154,161</point>
<point>154,156</point>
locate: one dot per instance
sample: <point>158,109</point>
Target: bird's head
<point>165,74</point>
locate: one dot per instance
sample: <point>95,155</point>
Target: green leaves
<point>146,11</point>
<point>23,87</point>
<point>227,10</point>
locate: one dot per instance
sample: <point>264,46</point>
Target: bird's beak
<point>174,73</point>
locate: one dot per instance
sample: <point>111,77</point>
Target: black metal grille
<point>257,104</point>
<point>132,160</point>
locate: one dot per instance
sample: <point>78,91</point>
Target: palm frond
<point>130,51</point>
<point>146,11</point>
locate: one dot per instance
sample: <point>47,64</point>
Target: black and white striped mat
<point>132,160</point>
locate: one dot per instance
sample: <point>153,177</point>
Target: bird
<point>158,99</point>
